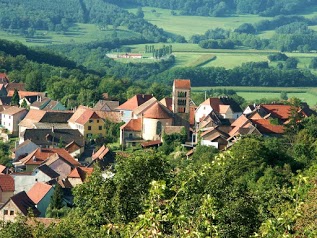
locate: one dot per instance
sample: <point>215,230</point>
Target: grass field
<point>190,25</point>
<point>251,94</point>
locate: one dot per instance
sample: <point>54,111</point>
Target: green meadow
<point>250,94</point>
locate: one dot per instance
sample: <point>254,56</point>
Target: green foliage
<point>15,98</point>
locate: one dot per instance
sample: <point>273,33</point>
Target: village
<point>54,146</point>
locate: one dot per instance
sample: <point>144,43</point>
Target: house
<point>17,86</point>
<point>131,104</point>
<point>11,117</point>
<point>23,149</point>
<point>47,104</point>
<point>224,107</point>
<point>40,119</point>
<point>105,105</point>
<point>131,132</point>
<point>43,155</point>
<point>103,157</point>
<point>6,187</point>
<point>87,122</point>
<point>62,163</point>
<point>52,138</point>
<point>41,194</point>
<point>27,94</point>
<point>79,175</point>
<point>18,204</point>
<point>214,137</point>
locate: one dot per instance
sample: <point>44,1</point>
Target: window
<point>5,212</point>
<point>130,135</point>
<point>158,128</point>
<point>100,128</point>
<point>90,121</point>
<point>9,117</point>
<point>89,128</point>
<point>11,213</point>
<point>97,121</point>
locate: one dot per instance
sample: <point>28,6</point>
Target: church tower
<point>181,97</point>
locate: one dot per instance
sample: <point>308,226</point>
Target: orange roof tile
<point>182,83</point>
<point>278,110</point>
<point>132,125</point>
<point>23,94</point>
<point>157,111</point>
<point>2,168</point>
<point>135,101</point>
<point>100,153</point>
<point>265,126</point>
<point>82,115</point>
<point>38,192</point>
<point>213,102</point>
<point>81,172</point>
<point>6,183</point>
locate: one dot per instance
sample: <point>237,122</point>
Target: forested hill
<point>225,7</point>
<point>26,16</point>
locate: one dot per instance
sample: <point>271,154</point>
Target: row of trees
<point>223,8</point>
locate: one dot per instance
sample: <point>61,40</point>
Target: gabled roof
<point>23,203</point>
<point>280,111</point>
<point>81,172</point>
<point>223,109</point>
<point>265,127</point>
<point>115,117</point>
<point>40,102</point>
<point>167,102</point>
<point>64,155</point>
<point>216,103</point>
<point>32,117</point>
<point>13,110</point>
<point>53,136</point>
<point>82,115</point>
<point>24,143</point>
<point>135,102</point>
<point>132,125</point>
<point>48,171</point>
<point>38,191</point>
<point>142,108</point>
<point>6,183</point>
<point>214,133</point>
<point>105,105</point>
<point>157,111</point>
<point>100,154</point>
<point>182,83</point>
<point>40,155</point>
<point>213,102</point>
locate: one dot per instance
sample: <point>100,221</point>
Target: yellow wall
<point>94,124</point>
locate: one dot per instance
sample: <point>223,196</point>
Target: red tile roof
<point>81,172</point>
<point>40,155</point>
<point>135,101</point>
<point>132,125</point>
<point>6,183</point>
<point>182,83</point>
<point>23,94</point>
<point>264,126</point>
<point>157,111</point>
<point>100,154</point>
<point>18,86</point>
<point>213,102</point>
<point>278,110</point>
<point>82,115</point>
<point>38,192</point>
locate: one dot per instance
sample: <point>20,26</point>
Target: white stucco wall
<point>149,128</point>
<point>202,111</point>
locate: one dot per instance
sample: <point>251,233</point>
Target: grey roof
<point>6,100</point>
<point>56,117</point>
<point>105,105</point>
<point>48,137</point>
<point>24,203</point>
<point>48,171</point>
<point>41,125</point>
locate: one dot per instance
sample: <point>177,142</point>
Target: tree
<point>283,95</point>
<point>15,98</point>
<point>291,63</point>
<point>140,13</point>
<point>313,63</point>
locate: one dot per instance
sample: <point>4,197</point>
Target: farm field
<point>190,25</point>
<point>250,94</point>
